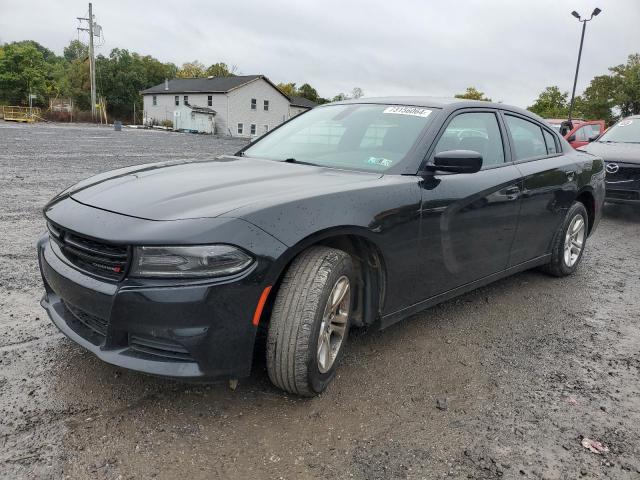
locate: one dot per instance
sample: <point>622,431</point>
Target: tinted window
<point>527,137</point>
<point>361,136</point>
<point>478,132</point>
<point>551,142</point>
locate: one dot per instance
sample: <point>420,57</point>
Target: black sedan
<point>354,214</point>
<point>620,148</point>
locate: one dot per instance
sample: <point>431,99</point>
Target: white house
<point>244,106</point>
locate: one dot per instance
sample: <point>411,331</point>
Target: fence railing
<point>20,114</point>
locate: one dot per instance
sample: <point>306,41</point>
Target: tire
<point>294,361</point>
<point>559,265</point>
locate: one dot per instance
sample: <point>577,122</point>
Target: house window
<point>155,100</point>
<point>186,99</point>
<point>266,105</point>
<point>266,128</point>
<point>253,129</point>
<point>240,128</point>
<point>177,99</point>
<point>254,104</point>
<point>210,100</point>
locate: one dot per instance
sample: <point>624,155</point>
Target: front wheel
<point>569,242</point>
<point>310,321</point>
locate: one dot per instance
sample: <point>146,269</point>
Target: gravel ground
<point>506,381</point>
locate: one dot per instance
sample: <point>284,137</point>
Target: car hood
<point>614,152</point>
<point>175,191</point>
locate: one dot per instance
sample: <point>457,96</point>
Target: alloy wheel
<point>333,328</point>
<point>574,240</point>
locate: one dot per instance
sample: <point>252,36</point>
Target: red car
<point>583,132</point>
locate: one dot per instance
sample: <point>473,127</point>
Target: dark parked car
<point>356,213</point>
<point>620,149</point>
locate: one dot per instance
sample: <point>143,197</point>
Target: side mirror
<point>457,161</point>
<point>572,138</point>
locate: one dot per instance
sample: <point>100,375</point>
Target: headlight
<point>196,261</point>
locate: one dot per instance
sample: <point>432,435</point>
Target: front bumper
<point>197,331</point>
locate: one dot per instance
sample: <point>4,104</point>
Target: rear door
<point>548,185</point>
<point>468,221</point>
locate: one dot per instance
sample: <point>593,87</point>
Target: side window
<point>253,129</point>
<point>582,134</point>
<point>240,128</point>
<point>551,142</point>
<point>254,104</point>
<point>155,100</point>
<point>266,105</point>
<point>210,100</point>
<point>478,132</point>
<point>593,131</point>
<point>528,141</point>
<point>177,100</point>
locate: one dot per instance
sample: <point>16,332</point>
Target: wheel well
<point>370,272</point>
<point>586,198</point>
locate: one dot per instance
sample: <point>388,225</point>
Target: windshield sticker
<point>415,111</point>
<point>625,123</point>
<point>382,162</point>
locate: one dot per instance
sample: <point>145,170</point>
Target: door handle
<point>512,191</point>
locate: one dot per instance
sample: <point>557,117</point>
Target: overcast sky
<point>510,49</point>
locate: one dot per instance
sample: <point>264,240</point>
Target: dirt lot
<point>502,382</point>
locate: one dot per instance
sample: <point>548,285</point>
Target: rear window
<point>367,137</point>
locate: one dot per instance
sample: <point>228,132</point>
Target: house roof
<point>302,102</point>
<point>207,85</point>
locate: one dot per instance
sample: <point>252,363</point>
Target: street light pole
<point>595,13</point>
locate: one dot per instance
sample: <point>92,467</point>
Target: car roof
<point>438,102</point>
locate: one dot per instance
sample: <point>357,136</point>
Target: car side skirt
<point>395,317</point>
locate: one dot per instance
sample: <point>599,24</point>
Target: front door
<point>469,221</point>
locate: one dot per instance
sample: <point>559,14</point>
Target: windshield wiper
<point>300,162</point>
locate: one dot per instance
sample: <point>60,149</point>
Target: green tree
<point>193,69</point>
<point>308,92</point>
<point>76,50</point>
<point>23,71</point>
<point>626,84</point>
<point>599,99</point>
<point>288,89</point>
<point>220,69</point>
<point>551,103</point>
<point>473,94</point>
<point>357,92</point>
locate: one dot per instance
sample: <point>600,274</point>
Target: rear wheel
<point>569,242</point>
<point>310,321</point>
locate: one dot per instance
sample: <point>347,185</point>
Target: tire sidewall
<point>318,380</point>
<point>576,209</point>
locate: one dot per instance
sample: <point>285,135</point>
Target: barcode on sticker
<point>415,111</point>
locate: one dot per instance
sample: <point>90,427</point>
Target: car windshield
<point>625,131</point>
<point>368,137</point>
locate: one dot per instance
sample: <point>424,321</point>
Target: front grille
<point>625,172</point>
<point>95,324</point>
<point>159,347</point>
<point>93,256</point>
<point>623,194</point>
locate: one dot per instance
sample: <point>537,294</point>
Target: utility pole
<point>92,59</point>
